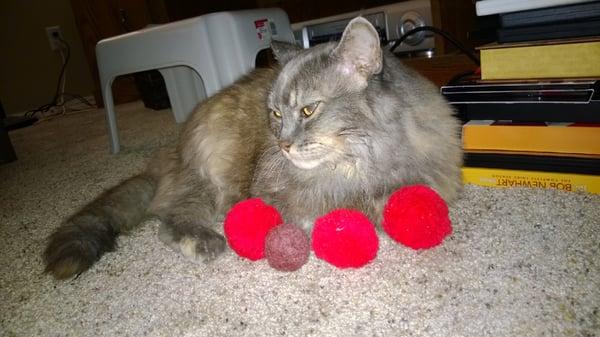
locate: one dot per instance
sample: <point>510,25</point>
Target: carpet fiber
<point>521,262</point>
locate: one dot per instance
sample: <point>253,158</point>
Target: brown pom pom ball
<point>287,247</point>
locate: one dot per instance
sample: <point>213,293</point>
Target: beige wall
<point>28,67</point>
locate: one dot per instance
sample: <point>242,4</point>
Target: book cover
<point>554,59</point>
<point>546,162</point>
<point>566,138</point>
<point>489,7</point>
<point>550,31</point>
<point>475,91</point>
<point>525,112</point>
<point>524,101</point>
<point>568,13</point>
<point>502,178</point>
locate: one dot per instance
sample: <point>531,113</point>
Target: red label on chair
<point>262,29</point>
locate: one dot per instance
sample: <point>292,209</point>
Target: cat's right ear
<point>284,51</point>
<point>359,54</point>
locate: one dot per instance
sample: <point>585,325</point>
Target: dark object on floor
<point>7,153</point>
<point>17,122</point>
<point>152,89</point>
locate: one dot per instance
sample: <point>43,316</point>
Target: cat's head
<point>318,103</point>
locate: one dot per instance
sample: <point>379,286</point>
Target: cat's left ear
<point>284,51</point>
<point>359,51</point>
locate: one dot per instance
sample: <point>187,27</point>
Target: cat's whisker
<point>275,168</point>
<point>273,164</point>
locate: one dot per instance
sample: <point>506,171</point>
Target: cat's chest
<point>277,178</point>
<point>325,185</point>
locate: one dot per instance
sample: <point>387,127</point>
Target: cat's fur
<point>373,126</point>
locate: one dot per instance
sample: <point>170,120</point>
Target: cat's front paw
<point>204,248</point>
<point>201,245</point>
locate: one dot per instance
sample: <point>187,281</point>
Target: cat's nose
<point>285,145</point>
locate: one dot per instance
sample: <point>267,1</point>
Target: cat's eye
<point>277,113</point>
<point>308,110</point>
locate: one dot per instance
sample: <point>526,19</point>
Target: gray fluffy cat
<point>338,125</point>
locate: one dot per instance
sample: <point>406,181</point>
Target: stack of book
<point>532,118</point>
<point>536,20</point>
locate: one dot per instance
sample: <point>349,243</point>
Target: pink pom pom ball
<point>417,217</point>
<point>345,238</point>
<point>246,226</point>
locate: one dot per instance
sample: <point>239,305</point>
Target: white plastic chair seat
<point>196,57</point>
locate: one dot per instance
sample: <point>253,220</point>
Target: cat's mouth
<point>303,162</point>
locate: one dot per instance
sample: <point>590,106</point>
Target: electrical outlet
<point>53,32</point>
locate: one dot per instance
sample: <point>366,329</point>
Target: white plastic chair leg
<point>111,119</point>
<point>185,89</point>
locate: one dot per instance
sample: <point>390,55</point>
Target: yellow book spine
<point>502,178</point>
<point>542,61</point>
<point>584,140</point>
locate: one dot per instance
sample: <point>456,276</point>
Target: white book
<point>489,7</point>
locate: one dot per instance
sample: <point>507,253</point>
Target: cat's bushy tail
<point>86,236</point>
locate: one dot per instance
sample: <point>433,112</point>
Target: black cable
<point>63,68</point>
<point>440,32</point>
<point>57,94</point>
<point>79,98</point>
<point>73,97</point>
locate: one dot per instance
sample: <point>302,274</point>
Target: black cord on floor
<point>58,95</point>
<point>62,69</point>
<point>447,36</point>
<point>79,98</point>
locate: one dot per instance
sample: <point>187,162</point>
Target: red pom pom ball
<point>417,217</point>
<point>345,238</point>
<point>287,247</point>
<point>246,227</point>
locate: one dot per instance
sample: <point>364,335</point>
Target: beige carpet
<point>520,262</point>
